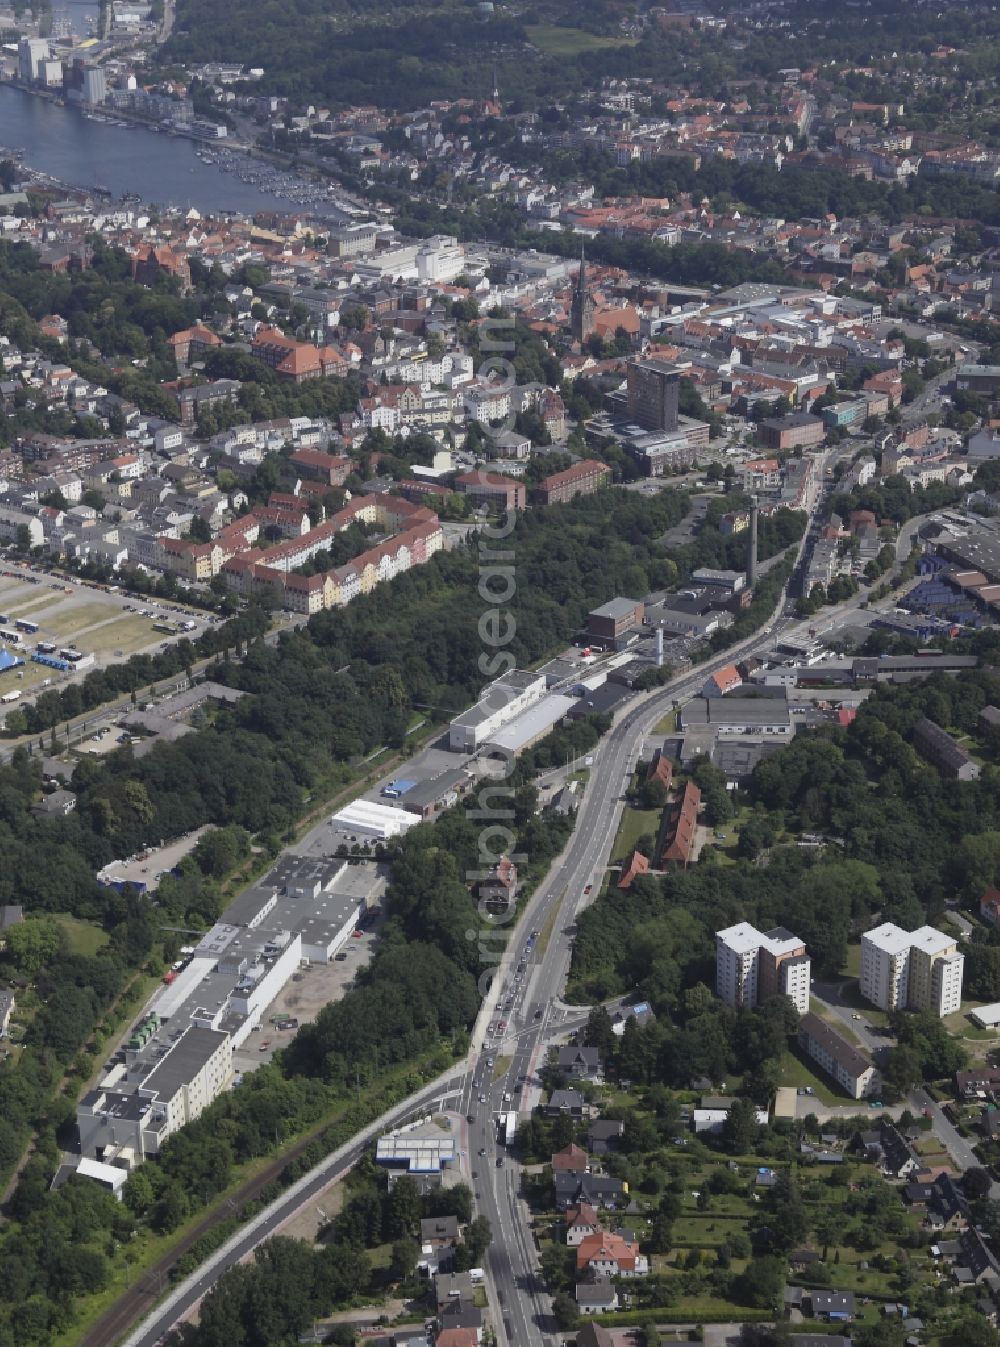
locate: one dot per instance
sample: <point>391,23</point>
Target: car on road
<point>589,888</point>
<point>482,1150</point>
<point>482,1099</point>
<point>470,1117</point>
<point>499,1162</point>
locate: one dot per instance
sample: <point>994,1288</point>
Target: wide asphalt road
<point>524,1000</point>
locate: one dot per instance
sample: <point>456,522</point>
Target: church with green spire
<point>581,315</point>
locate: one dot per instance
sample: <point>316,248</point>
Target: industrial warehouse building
<point>501,703</point>
<point>380,821</point>
<point>180,1056</point>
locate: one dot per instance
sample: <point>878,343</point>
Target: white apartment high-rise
<point>752,966</point>
<point>31,52</point>
<point>913,970</point>
<point>885,966</point>
<point>737,951</point>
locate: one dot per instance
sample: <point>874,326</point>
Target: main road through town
<point>525,999</point>
<point>501,1067</point>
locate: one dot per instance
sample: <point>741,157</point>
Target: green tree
<point>762,1283</point>
<point>32,944</point>
<point>741,1129</point>
<point>403,1259</point>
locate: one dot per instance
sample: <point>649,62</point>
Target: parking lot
<point>111,626</point>
<point>304,996</point>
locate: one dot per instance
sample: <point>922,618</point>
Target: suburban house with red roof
<point>610,1255</point>
<point>722,682</point>
<point>989,906</point>
<point>192,344</point>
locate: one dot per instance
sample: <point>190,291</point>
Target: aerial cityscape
<point>499,673</point>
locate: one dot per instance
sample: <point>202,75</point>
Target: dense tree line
<point>402,55</point>
<point>893,501</point>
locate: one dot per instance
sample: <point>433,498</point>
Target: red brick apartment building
<point>582,479</point>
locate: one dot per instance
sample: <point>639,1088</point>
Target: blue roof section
<point>9,661</point>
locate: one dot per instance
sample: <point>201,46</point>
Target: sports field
<point>92,620</point>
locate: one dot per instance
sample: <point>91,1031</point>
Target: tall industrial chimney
<point>659,647</point>
<point>752,546</point>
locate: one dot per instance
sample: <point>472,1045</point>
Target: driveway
<point>955,1144</point>
<point>831,993</point>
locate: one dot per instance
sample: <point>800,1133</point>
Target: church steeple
<point>582,308</point>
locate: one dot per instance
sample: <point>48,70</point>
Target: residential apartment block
<point>752,966</point>
<point>940,749</point>
<point>913,970</point>
<point>580,480</point>
<point>851,1069</point>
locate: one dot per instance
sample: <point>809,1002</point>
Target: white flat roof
<point>988,1017</point>
<point>96,1169</point>
<point>741,938</point>
<point>932,941</point>
<point>367,816</point>
<point>526,727</point>
<point>889,938</point>
<point>169,998</point>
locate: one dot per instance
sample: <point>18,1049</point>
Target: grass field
<point>501,1067</point>
<point>635,823</point>
<point>127,635</point>
<point>852,968</point>
<point>959,1023</point>
<point>78,617</point>
<point>545,934</point>
<point>557,41</point>
<point>24,604</point>
<point>707,1230</point>
<point>83,936</point>
<point>796,1071</point>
